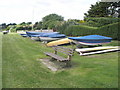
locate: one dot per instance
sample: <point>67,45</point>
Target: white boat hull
<point>48,39</point>
<point>88,44</point>
<point>35,38</point>
<point>97,50</point>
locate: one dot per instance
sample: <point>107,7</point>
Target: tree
<point>3,25</point>
<point>50,21</point>
<point>38,25</point>
<point>103,9</point>
<point>23,23</point>
<point>28,23</point>
<point>114,9</point>
<point>52,17</point>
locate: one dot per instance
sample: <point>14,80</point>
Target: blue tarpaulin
<point>92,39</point>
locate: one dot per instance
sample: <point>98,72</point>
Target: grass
<point>22,69</point>
<point>0,60</point>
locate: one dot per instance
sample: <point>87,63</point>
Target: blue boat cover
<point>57,36</point>
<point>35,35</point>
<point>24,35</point>
<point>48,34</point>
<point>42,34</point>
<point>92,37</point>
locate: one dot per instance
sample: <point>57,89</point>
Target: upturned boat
<point>91,40</point>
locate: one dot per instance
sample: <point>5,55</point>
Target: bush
<point>79,30</point>
<point>98,22</point>
<point>110,30</point>
<point>13,30</point>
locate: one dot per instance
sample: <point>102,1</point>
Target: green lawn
<point>0,60</point>
<point>22,69</point>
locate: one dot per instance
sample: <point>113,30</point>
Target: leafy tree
<point>114,9</point>
<point>28,23</point>
<point>52,17</point>
<point>23,23</point>
<point>38,25</point>
<point>3,25</point>
<point>50,21</point>
<point>103,9</point>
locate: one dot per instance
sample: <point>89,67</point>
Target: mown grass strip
<point>0,60</point>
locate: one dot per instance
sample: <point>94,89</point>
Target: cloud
<point>34,10</point>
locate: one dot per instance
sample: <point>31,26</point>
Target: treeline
<point>50,21</point>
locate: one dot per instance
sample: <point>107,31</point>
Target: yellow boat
<point>59,42</point>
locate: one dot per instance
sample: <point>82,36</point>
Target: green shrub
<point>110,30</point>
<point>79,30</point>
<point>98,22</point>
<point>13,30</point>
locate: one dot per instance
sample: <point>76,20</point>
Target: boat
<point>98,52</point>
<point>31,34</point>
<point>24,35</point>
<point>5,32</point>
<point>49,34</point>
<point>40,34</point>
<point>48,39</point>
<point>51,37</point>
<point>59,42</point>
<point>35,38</point>
<point>96,48</point>
<point>91,40</point>
<point>57,36</point>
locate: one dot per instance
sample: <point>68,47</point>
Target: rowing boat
<point>59,42</point>
<point>91,40</point>
<point>96,48</point>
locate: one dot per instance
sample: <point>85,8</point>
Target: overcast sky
<point>17,11</point>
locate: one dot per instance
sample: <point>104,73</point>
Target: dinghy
<point>24,35</point>
<point>49,34</point>
<point>52,37</point>
<point>34,33</point>
<point>91,40</point>
<point>5,32</point>
<point>59,42</point>
<point>97,50</point>
<point>42,34</point>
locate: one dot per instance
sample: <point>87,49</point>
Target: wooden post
<point>55,51</point>
<point>69,57</point>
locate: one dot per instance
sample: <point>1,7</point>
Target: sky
<point>17,11</point>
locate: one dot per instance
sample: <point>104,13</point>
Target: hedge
<point>79,30</point>
<point>98,22</point>
<point>110,30</point>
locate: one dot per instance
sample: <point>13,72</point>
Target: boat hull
<point>48,39</point>
<point>59,42</point>
<point>88,44</point>
<point>96,48</point>
<point>35,38</point>
<point>91,40</point>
